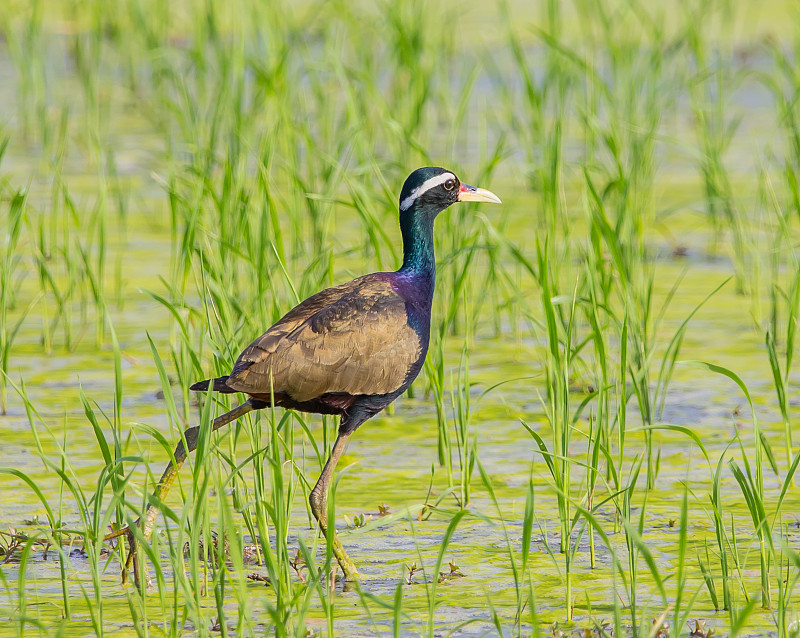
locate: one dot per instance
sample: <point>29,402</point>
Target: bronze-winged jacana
<point>349,350</point>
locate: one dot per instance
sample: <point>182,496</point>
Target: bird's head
<point>432,189</point>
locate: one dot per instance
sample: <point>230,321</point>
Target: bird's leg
<point>319,507</point>
<point>147,521</point>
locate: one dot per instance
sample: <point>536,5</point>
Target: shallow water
<point>390,459</point>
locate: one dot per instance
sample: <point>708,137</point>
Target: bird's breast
<point>417,292</point>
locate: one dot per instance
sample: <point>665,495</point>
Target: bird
<point>348,351</point>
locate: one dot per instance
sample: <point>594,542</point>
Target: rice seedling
<point>174,177</point>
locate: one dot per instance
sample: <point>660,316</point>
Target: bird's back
<point>352,339</point>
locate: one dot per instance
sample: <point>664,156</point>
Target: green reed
<point>709,84</point>
<point>9,286</point>
<point>276,139</point>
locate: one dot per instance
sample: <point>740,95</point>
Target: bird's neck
<point>419,261</point>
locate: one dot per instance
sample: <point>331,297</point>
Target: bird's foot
<point>122,531</point>
<point>132,559</point>
<point>349,570</point>
<point>319,507</point>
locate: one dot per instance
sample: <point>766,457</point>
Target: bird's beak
<point>469,193</point>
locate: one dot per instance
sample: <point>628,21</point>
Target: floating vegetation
<point>601,442</point>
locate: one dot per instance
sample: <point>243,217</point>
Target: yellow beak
<point>469,193</point>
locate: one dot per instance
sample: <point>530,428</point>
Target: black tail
<point>220,385</point>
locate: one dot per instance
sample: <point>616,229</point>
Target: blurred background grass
<point>174,176</point>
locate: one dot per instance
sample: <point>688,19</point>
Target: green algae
<point>393,461</point>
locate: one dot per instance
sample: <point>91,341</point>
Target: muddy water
<point>389,460</point>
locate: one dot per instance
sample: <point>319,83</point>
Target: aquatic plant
<point>175,176</point>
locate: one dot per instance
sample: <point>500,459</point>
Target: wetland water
<point>167,204</point>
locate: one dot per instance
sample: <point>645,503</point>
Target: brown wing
<point>353,338</point>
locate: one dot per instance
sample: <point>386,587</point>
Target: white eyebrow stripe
<point>423,188</point>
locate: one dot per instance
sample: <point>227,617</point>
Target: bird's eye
<point>450,184</point>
